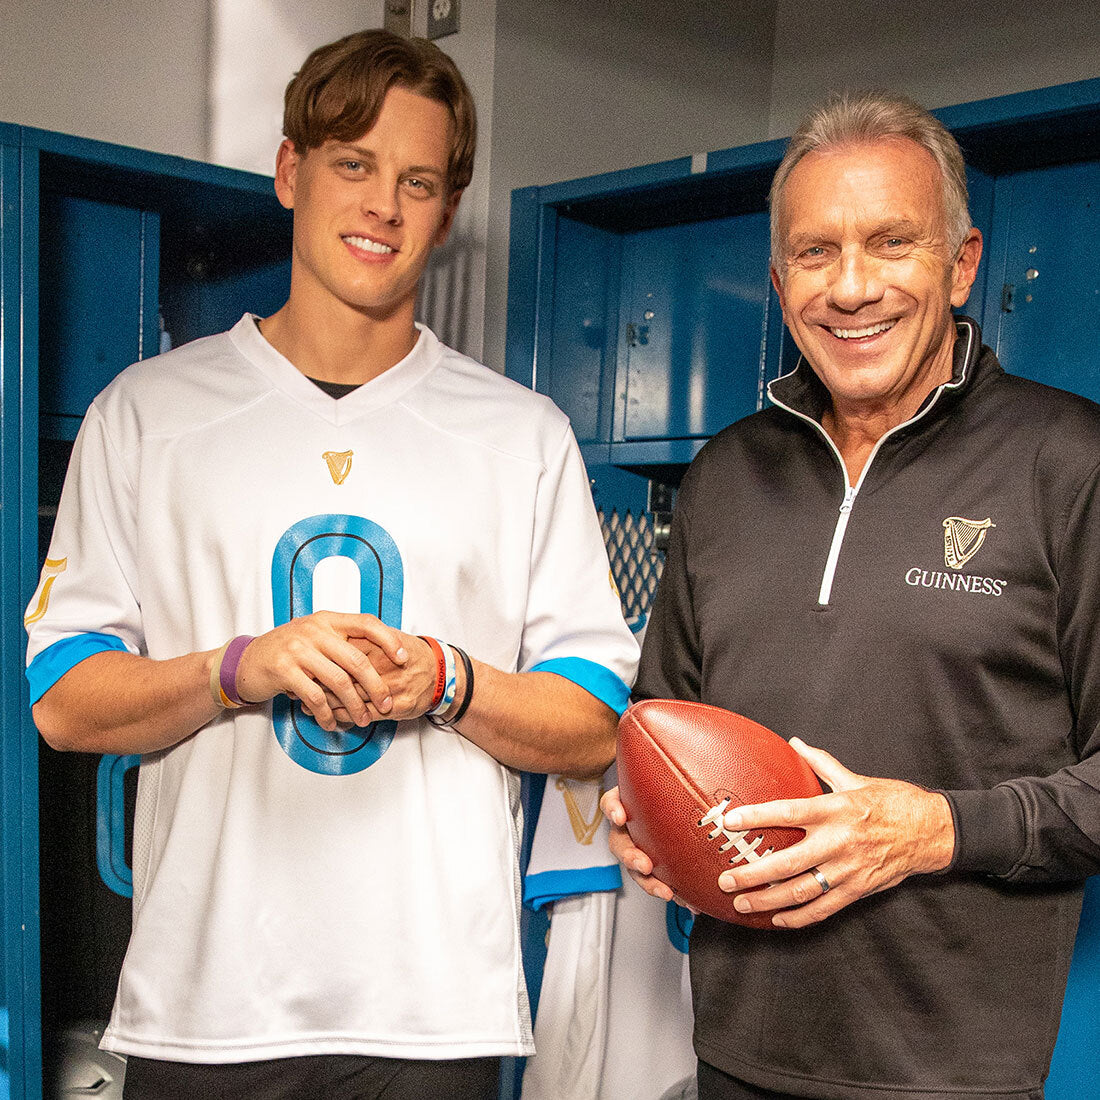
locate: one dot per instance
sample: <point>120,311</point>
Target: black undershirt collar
<point>335,389</point>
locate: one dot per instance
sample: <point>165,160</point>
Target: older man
<point>897,565</point>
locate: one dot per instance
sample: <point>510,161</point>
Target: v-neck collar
<point>383,390</point>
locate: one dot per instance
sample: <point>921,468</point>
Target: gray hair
<point>857,117</point>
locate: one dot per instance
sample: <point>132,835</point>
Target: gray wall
<point>940,52</point>
<point>586,86</point>
<point>130,71</point>
<point>256,46</point>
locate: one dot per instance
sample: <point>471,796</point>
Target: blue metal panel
<point>30,1057</point>
<point>1022,107</point>
<point>523,279</point>
<point>11,889</point>
<point>616,488</point>
<point>1052,260</point>
<point>123,158</point>
<point>18,567</point>
<point>1073,1070</point>
<point>625,180</point>
<point>1046,222</point>
<point>980,185</point>
<point>694,317</point>
<point>544,300</point>
<point>579,374</point>
<point>655,452</point>
<point>760,156</point>
<point>99,296</point>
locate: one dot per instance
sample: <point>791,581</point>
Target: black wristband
<point>468,694</point>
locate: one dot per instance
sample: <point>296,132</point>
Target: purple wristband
<point>227,673</point>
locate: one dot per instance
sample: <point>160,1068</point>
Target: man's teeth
<point>856,333</point>
<point>367,245</point>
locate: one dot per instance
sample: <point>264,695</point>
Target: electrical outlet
<point>422,18</point>
<point>442,17</point>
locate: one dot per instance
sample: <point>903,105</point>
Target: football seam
<point>685,780</point>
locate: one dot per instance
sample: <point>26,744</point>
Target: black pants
<point>716,1085</point>
<point>316,1077</point>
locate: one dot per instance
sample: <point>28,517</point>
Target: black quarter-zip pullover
<point>938,623</point>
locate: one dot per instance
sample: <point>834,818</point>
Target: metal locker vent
<point>635,562</point>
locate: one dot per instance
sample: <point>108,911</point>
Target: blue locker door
<point>692,325</point>
<point>98,275</point>
<point>1045,323</point>
<point>1045,250</point>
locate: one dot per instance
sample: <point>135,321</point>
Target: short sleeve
<point>86,599</point>
<point>574,625</point>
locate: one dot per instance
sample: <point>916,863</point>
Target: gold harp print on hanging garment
<point>583,828</point>
<point>963,538</point>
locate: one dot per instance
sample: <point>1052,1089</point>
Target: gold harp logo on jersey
<point>50,571</point>
<point>573,790</point>
<point>963,538</point>
<point>339,465</point>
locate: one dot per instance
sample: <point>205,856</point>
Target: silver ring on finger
<point>823,882</point>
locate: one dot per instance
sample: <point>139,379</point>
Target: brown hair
<point>339,90</point>
<point>853,117</point>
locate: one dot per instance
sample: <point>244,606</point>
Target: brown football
<point>677,762</point>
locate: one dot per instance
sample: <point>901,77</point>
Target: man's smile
<point>861,333</point>
<point>366,244</point>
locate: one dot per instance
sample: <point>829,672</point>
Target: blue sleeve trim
<point>595,679</point>
<point>550,886</point>
<point>55,660</point>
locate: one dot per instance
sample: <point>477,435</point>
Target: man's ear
<point>449,212</point>
<point>965,269</point>
<point>286,172</point>
<point>778,284</point>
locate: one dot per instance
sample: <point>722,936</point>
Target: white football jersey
<point>614,1013</point>
<point>295,891</point>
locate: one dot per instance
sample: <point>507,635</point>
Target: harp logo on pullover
<point>962,539</point>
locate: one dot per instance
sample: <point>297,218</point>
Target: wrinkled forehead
<point>864,184</point>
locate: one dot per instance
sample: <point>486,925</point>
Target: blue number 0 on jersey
<point>381,581</point>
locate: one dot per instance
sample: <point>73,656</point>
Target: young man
<point>919,600</point>
<point>325,872</point>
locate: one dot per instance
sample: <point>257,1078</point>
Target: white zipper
<point>834,549</point>
<point>825,592</point>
